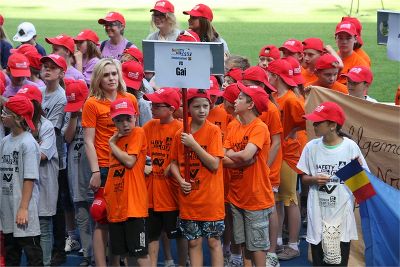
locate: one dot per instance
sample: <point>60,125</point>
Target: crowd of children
<point>93,152</point>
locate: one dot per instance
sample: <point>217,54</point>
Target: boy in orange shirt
<point>161,187</point>
<point>201,198</point>
<point>326,71</point>
<point>250,193</point>
<point>125,190</point>
<point>346,37</point>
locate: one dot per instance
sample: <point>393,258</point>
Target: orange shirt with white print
<point>361,52</point>
<point>349,62</point>
<point>336,86</point>
<point>96,114</point>
<point>308,75</point>
<point>205,202</point>
<point>272,118</point>
<point>219,117</point>
<point>250,187</point>
<point>125,190</point>
<point>162,190</point>
<point>292,110</point>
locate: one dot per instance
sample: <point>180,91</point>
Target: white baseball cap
<point>25,32</point>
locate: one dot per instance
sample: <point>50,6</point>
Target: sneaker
<point>288,253</point>
<point>169,263</point>
<point>279,248</point>
<point>86,262</point>
<point>71,244</point>
<point>227,259</point>
<point>272,260</point>
<point>233,263</point>
<point>58,258</point>
<point>81,252</point>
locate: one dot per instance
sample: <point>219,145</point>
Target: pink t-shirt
<point>114,51</point>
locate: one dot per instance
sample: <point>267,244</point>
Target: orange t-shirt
<point>125,190</point>
<point>219,117</point>
<point>336,86</point>
<point>361,52</point>
<point>292,111</point>
<point>307,75</point>
<point>349,62</point>
<point>163,191</point>
<point>250,187</point>
<point>206,200</point>
<point>397,97</point>
<point>272,118</point>
<point>96,114</point>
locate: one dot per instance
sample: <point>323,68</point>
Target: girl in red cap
<point>330,204</point>
<point>87,54</point>
<point>163,18</point>
<point>200,20</point>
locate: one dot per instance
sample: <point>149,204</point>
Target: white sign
<point>183,65</point>
<point>393,44</point>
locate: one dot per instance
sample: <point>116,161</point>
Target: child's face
<point>264,61</point>
<point>227,81</point>
<point>199,109</point>
<point>159,19</point>
<point>60,50</point>
<point>229,107</point>
<point>81,46</point>
<point>161,110</point>
<point>127,57</point>
<point>242,103</point>
<point>357,89</point>
<point>327,77</point>
<point>194,23</point>
<point>322,128</point>
<point>8,118</point>
<point>124,124</point>
<point>310,57</point>
<point>51,72</point>
<point>345,42</point>
<point>113,29</point>
<point>109,81</point>
<point>15,81</point>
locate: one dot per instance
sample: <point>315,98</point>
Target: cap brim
<point>104,21</point>
<point>45,58</point>
<point>153,98</point>
<point>193,13</point>
<point>159,9</point>
<point>20,73</point>
<point>18,38</point>
<point>313,117</point>
<point>352,77</point>
<point>347,31</point>
<point>132,84</point>
<point>290,48</point>
<point>299,79</point>
<point>74,107</point>
<point>123,112</point>
<point>270,86</point>
<point>288,81</point>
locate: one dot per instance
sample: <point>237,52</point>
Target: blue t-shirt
<point>5,48</point>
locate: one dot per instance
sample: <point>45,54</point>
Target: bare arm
<point>315,180</point>
<point>333,53</point>
<point>88,135</point>
<point>273,151</point>
<point>243,156</point>
<point>22,214</point>
<point>123,157</point>
<point>71,128</point>
<point>185,186</point>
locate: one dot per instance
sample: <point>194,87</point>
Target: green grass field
<point>245,29</point>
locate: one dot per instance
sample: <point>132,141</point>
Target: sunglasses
<point>112,24</point>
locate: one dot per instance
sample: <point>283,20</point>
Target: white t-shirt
<point>19,160</point>
<point>332,203</point>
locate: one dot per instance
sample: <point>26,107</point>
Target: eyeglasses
<point>5,113</point>
<point>158,15</point>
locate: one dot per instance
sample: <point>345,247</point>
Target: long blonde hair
<point>97,75</point>
<point>171,20</point>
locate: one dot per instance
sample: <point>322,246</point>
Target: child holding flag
<point>331,223</point>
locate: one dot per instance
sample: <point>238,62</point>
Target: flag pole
<point>186,130</point>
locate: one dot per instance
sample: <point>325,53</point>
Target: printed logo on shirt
<point>242,144</point>
<point>78,146</point>
<point>11,159</point>
<point>158,162</point>
<point>119,172</point>
<point>7,177</point>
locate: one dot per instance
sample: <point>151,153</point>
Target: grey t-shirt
<point>19,160</point>
<point>78,165</point>
<point>170,37</point>
<point>53,105</point>
<point>48,171</point>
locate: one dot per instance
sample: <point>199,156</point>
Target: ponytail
<point>340,133</point>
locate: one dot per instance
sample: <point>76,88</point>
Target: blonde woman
<point>163,18</point>
<point>106,86</point>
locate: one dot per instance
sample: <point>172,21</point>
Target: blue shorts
<point>192,230</point>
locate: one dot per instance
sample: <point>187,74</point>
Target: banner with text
<point>374,127</point>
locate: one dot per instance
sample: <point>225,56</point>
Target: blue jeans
<point>46,238</point>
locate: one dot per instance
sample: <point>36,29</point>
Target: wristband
<point>95,172</point>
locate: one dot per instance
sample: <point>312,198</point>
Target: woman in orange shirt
<point>106,86</point>
<point>291,105</point>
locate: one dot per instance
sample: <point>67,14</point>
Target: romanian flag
<point>356,179</point>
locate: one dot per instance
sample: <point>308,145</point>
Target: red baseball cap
<point>257,94</point>
<point>1,20</point>
<point>87,35</point>
<point>111,17</point>
<point>165,95</point>
<point>326,61</point>
<point>231,92</point>
<point>23,107</point>
<point>19,65</point>
<point>346,26</point>
<point>283,69</point>
<point>200,10</point>
<point>313,43</point>
<point>63,40</point>
<point>188,36</point>
<point>2,88</point>
<point>195,93</point>
<point>98,209</point>
<point>256,73</point>
<point>270,51</point>
<point>31,92</point>
<point>235,73</point>
<point>293,46</point>
<point>297,77</point>
<point>327,111</point>
<point>135,52</point>
<point>163,6</point>
<point>24,48</point>
<point>122,106</point>
<point>214,87</point>
<point>358,26</point>
<point>76,92</point>
<point>58,60</point>
<point>360,74</point>
<point>31,53</point>
<point>132,73</point>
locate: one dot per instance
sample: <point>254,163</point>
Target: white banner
<point>393,44</point>
<point>183,65</point>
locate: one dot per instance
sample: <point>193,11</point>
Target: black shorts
<point>163,220</point>
<point>129,237</point>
